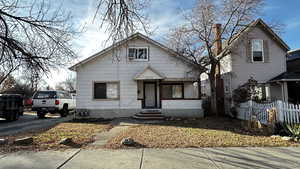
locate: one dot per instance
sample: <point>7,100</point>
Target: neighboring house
<point>257,52</point>
<point>292,76</point>
<point>134,75</point>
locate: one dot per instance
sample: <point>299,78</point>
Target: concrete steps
<point>149,114</point>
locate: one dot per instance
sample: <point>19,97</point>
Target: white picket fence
<point>287,113</point>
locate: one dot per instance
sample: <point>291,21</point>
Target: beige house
<point>138,76</point>
<point>257,52</point>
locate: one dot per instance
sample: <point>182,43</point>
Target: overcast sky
<point>165,14</point>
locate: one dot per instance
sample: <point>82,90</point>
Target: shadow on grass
<point>210,123</point>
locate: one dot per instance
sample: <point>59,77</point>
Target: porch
<point>169,96</point>
<point>290,86</point>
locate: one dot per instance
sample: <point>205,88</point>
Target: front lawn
<point>81,132</point>
<point>206,132</point>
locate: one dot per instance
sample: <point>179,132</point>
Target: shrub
<point>233,112</point>
<point>292,129</point>
<point>241,94</point>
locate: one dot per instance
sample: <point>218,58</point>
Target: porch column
<point>284,91</point>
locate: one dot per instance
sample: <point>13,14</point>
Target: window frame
<point>138,47</point>
<point>172,84</point>
<point>262,50</point>
<point>106,82</point>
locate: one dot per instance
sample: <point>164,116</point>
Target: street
<point>29,121</point>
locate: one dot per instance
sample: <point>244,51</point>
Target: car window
<point>45,95</point>
<point>61,95</point>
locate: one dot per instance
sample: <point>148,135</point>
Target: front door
<point>150,95</point>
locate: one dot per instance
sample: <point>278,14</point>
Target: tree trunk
<point>213,91</point>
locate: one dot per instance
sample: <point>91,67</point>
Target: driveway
<point>189,158</point>
<point>27,122</point>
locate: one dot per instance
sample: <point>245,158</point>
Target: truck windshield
<point>45,95</point>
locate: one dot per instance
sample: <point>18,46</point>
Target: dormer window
<point>138,53</point>
<point>257,50</point>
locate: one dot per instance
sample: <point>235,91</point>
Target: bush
<point>241,94</point>
<point>206,106</point>
<point>279,130</point>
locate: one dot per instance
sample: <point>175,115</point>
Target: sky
<point>163,15</point>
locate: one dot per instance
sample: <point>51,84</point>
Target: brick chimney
<point>218,43</point>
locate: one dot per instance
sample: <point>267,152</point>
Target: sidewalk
<point>190,158</point>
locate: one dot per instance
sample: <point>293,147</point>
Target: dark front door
<point>150,95</point>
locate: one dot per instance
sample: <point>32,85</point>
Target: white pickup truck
<point>52,101</point>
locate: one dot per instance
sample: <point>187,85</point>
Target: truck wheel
<point>41,115</point>
<point>9,117</point>
<point>64,112</point>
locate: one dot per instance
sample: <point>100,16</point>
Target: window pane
<point>131,53</point>
<point>166,91</point>
<point>257,56</point>
<point>112,90</point>
<point>177,91</point>
<point>100,91</point>
<point>257,45</point>
<point>138,53</point>
<point>172,91</point>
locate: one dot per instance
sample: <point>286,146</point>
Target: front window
<point>108,90</point>
<point>172,91</point>
<point>257,50</point>
<point>138,53</point>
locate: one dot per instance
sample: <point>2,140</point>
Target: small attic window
<point>138,53</point>
<point>257,50</point>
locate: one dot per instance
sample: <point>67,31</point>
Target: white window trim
<point>263,57</point>
<point>139,47</point>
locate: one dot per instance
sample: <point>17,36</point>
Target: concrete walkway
<point>120,125</point>
<point>190,158</point>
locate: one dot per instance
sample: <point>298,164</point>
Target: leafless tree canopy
<point>68,84</point>
<point>33,36</point>
<point>122,17</point>
<point>196,40</point>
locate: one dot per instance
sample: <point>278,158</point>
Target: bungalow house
<point>138,76</point>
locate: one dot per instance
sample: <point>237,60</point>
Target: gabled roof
<point>266,29</point>
<point>286,76</point>
<point>134,36</point>
<point>149,74</point>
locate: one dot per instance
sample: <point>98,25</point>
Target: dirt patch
<point>206,132</point>
<point>82,133</point>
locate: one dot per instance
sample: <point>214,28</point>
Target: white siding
<point>181,104</point>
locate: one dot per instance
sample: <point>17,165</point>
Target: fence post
<point>279,107</point>
<point>250,110</point>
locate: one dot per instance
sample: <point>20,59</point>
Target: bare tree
<point>197,41</point>
<point>33,36</point>
<point>122,17</point>
<point>68,84</point>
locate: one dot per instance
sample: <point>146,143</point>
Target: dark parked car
<point>11,106</point>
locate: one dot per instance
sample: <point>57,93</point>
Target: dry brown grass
<point>82,133</point>
<point>207,132</point>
